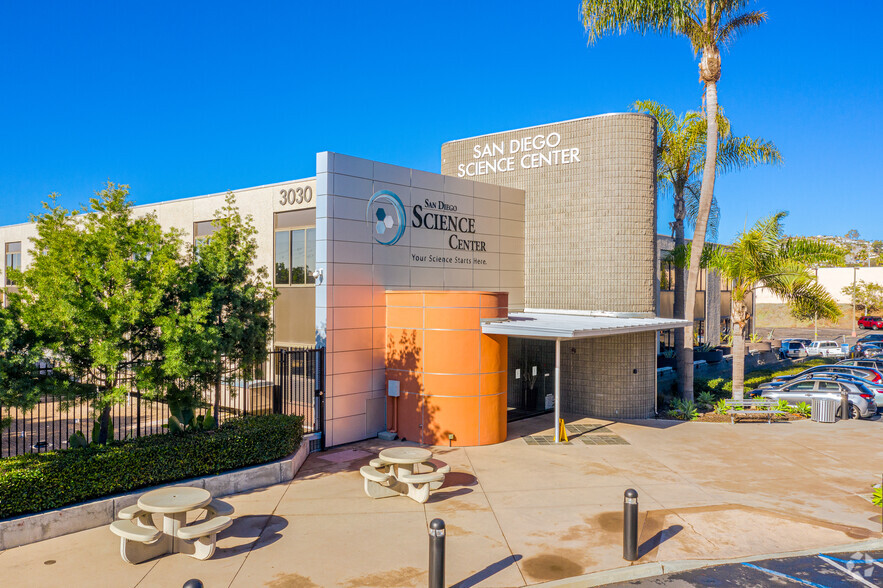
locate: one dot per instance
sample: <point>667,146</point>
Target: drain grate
<point>543,440</point>
<point>591,434</point>
<point>604,440</point>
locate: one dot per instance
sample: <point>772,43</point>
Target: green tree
<point>867,296</point>
<point>221,325</point>
<point>708,25</point>
<point>680,158</point>
<point>764,256</point>
<point>24,376</point>
<point>98,280</point>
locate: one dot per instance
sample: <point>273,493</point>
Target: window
<point>802,386</point>
<point>202,230</point>
<point>829,386</point>
<point>294,259</point>
<point>13,259</point>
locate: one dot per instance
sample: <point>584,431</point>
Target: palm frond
<point>738,24</point>
<point>602,17</point>
<point>737,153</point>
<point>691,203</point>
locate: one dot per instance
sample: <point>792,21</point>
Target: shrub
<point>42,481</point>
<point>684,411</point>
<point>705,399</point>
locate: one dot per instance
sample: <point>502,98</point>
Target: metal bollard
<point>437,553</point>
<point>194,583</point>
<point>630,525</point>
<point>844,406</point>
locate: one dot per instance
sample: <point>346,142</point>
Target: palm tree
<point>708,25</point>
<point>764,256</point>
<point>680,155</point>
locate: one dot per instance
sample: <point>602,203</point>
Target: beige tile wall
<point>590,244</point>
<point>590,226</point>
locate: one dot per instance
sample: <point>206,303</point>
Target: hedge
<point>42,481</point>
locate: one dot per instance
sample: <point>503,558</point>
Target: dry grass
<point>770,316</point>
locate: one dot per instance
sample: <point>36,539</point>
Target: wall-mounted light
<point>319,275</point>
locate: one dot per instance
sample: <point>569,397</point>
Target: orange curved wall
<point>452,377</point>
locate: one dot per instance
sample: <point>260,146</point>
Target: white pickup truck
<point>825,349</point>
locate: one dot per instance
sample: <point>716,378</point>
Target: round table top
<point>405,455</point>
<point>174,499</point>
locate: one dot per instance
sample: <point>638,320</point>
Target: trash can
<point>823,410</point>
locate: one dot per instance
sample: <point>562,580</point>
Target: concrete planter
<point>102,511</point>
<point>714,356</point>
<point>760,346</point>
<point>669,362</point>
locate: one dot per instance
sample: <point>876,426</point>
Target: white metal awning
<point>560,325</point>
<point>564,325</point>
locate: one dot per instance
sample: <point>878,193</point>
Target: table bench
<point>403,475</point>
<point>141,539</point>
<point>751,407</point>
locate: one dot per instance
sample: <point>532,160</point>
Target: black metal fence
<point>290,381</point>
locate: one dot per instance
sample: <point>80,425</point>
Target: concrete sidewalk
<point>523,513</point>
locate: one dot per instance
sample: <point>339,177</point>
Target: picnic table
<point>395,473</point>
<point>141,540</point>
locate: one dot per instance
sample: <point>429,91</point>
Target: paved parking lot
<point>824,570</point>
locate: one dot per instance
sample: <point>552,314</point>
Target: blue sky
<point>180,99</point>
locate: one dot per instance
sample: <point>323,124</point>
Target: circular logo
<point>386,217</point>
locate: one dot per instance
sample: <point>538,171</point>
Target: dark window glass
<point>802,386</point>
<point>298,260</point>
<point>283,257</point>
<point>829,386</point>
<point>311,255</point>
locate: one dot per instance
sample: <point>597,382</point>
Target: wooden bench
<point>203,536</point>
<point>751,407</point>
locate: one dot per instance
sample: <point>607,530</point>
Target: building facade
<point>548,234</point>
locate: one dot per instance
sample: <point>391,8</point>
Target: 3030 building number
<point>297,195</point>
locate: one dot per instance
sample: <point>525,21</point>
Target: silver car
<point>861,399</point>
<point>876,388</point>
<point>860,371</point>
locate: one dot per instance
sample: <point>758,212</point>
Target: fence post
<point>319,386</point>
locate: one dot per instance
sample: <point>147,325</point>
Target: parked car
<point>872,338</point>
<point>792,349</point>
<point>865,350</point>
<point>875,387</point>
<point>825,349</point>
<point>871,322</point>
<point>869,362</point>
<point>868,373</point>
<point>861,399</point>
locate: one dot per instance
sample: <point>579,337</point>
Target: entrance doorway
<point>531,378</point>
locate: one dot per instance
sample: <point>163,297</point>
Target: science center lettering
<point>536,151</point>
<point>385,215</point>
<point>442,221</point>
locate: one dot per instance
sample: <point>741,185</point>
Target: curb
<point>49,524</point>
<point>649,570</point>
